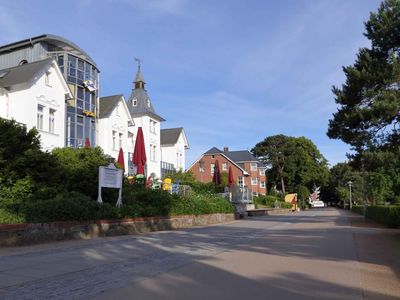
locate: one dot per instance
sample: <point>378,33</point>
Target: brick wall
<point>34,233</point>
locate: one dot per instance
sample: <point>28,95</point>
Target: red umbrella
<point>217,174</point>
<point>121,161</point>
<point>87,143</point>
<point>230,178</point>
<point>139,154</point>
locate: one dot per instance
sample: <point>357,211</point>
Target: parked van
<point>317,204</point>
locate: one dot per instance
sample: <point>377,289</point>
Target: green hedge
<point>75,206</point>
<point>387,215</point>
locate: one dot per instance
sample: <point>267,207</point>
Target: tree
<point>292,162</point>
<point>21,156</point>
<point>369,101</point>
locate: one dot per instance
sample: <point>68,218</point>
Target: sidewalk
<point>378,253</point>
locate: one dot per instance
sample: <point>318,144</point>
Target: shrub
<point>388,215</point>
<point>80,169</point>
<point>72,206</point>
<point>200,203</point>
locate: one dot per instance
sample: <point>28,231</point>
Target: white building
<point>34,94</point>
<point>116,128</point>
<point>173,146</point>
<point>144,115</point>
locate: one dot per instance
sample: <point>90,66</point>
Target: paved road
<point>318,254</point>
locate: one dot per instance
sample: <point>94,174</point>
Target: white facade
<point>116,131</point>
<point>151,133</point>
<point>39,103</point>
<point>175,154</point>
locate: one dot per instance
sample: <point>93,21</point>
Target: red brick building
<point>247,170</point>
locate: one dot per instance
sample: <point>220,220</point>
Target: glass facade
<point>82,78</point>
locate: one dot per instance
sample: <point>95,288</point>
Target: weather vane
<point>138,60</point>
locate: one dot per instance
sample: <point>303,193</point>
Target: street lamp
<point>350,185</point>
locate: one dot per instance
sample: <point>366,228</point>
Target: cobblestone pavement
<point>309,255</point>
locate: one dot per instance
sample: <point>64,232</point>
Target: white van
<point>317,204</point>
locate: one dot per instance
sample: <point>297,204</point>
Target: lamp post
<point>350,185</point>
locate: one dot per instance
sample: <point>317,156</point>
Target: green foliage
<point>183,177</point>
<point>292,161</point>
<point>265,201</point>
<point>21,157</point>
<point>80,168</point>
<point>369,101</point>
<point>388,215</point>
<point>302,196</point>
<point>72,206</point>
<point>202,203</point>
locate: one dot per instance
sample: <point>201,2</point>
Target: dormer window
<point>148,102</point>
<point>134,102</point>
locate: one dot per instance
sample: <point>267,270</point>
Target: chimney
<point>226,149</point>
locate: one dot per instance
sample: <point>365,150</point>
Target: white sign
<point>110,177</point>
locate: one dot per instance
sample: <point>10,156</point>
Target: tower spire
<point>139,81</point>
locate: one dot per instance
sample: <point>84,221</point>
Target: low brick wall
<point>268,211</point>
<point>33,233</point>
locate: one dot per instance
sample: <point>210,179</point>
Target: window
<point>134,102</point>
<point>39,122</point>
<point>120,140</point>
<point>79,131</point>
<point>154,153</point>
<point>224,166</point>
<point>212,169</point>
<point>240,181</point>
<point>152,126</point>
<point>254,181</point>
<point>114,140</point>
<point>148,102</point>
<point>262,172</point>
<point>131,140</point>
<point>47,78</point>
<point>262,184</point>
<point>253,166</point>
<point>52,113</point>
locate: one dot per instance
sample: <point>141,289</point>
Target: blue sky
<point>230,72</point>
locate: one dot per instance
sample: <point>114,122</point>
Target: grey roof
<point>23,73</point>
<point>236,156</point>
<point>55,40</point>
<point>213,150</point>
<point>242,155</point>
<point>139,77</point>
<point>170,136</point>
<point>107,104</point>
<point>144,105</point>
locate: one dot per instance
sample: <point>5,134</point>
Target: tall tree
<point>369,101</point>
<point>292,162</point>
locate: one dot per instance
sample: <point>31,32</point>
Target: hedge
<point>75,206</point>
<point>384,214</point>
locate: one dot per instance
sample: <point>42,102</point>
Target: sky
<point>231,72</point>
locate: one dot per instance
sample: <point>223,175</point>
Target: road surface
<point>316,254</point>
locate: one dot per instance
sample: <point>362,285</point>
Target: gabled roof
<point>23,73</point>
<point>170,136</point>
<point>54,40</point>
<point>213,150</point>
<point>107,104</point>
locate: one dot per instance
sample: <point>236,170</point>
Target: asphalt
<point>316,254</point>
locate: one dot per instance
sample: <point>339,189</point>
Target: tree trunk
<point>283,185</point>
